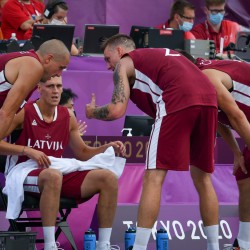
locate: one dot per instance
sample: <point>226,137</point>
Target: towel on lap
<point>16,177</point>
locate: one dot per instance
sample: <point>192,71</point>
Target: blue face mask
<point>186,26</point>
<point>216,18</point>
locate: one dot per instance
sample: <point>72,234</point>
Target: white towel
<point>16,177</point>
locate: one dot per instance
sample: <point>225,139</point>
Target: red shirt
<point>14,13</point>
<point>228,31</point>
<point>50,138</point>
<point>187,35</point>
<point>167,82</point>
<point>238,72</point>
<point>5,86</point>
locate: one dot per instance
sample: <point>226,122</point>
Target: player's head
<point>51,90</point>
<point>187,55</point>
<point>115,47</point>
<point>54,57</point>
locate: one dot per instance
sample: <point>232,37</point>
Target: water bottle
<point>13,36</point>
<point>89,240</point>
<point>129,238</point>
<point>162,240</point>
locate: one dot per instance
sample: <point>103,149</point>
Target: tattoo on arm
<point>118,94</point>
<point>101,113</point>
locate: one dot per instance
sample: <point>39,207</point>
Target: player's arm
<point>228,137</point>
<point>117,107</point>
<point>227,104</point>
<point>14,149</point>
<point>84,152</point>
<point>24,78</point>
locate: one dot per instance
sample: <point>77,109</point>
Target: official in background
<point>215,27</point>
<point>182,15</point>
<point>56,12</point>
<point>20,16</point>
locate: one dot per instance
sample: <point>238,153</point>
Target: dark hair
<point>209,3</point>
<point>66,95</point>
<point>53,7</point>
<point>187,55</point>
<point>118,39</point>
<point>178,8</point>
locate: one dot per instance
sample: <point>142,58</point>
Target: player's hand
<point>82,126</point>
<point>38,156</point>
<point>90,107</point>
<point>119,147</point>
<point>239,162</point>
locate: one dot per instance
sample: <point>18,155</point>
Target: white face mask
<point>57,22</point>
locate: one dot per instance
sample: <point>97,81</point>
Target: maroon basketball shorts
<point>184,138</point>
<point>71,186</point>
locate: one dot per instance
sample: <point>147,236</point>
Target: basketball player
<point>153,80</point>
<point>21,71</point>
<point>47,128</point>
<point>232,84</point>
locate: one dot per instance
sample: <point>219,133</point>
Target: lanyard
<point>27,10</point>
<point>218,37</point>
<point>208,34</point>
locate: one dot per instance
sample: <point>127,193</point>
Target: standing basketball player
<point>185,112</point>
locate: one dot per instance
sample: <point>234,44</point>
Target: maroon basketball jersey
<point>5,86</point>
<point>167,82</point>
<point>238,71</point>
<point>50,138</point>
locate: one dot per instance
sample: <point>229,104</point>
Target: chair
<point>32,204</point>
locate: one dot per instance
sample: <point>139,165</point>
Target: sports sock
<point>49,238</point>
<point>142,238</point>
<point>244,235</point>
<point>104,234</point>
<point>212,233</point>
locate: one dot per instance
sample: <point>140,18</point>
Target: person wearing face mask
<point>56,13</point>
<point>215,27</point>
<point>182,17</point>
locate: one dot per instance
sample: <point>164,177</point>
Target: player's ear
<point>48,58</point>
<point>120,51</point>
<point>39,87</point>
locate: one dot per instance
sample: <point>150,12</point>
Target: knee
<point>50,178</point>
<point>154,177</point>
<point>109,181</point>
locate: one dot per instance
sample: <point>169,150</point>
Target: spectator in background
<point>56,13</point>
<point>2,2</point>
<point>67,100</point>
<point>182,17</point>
<point>215,27</point>
<point>19,17</point>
